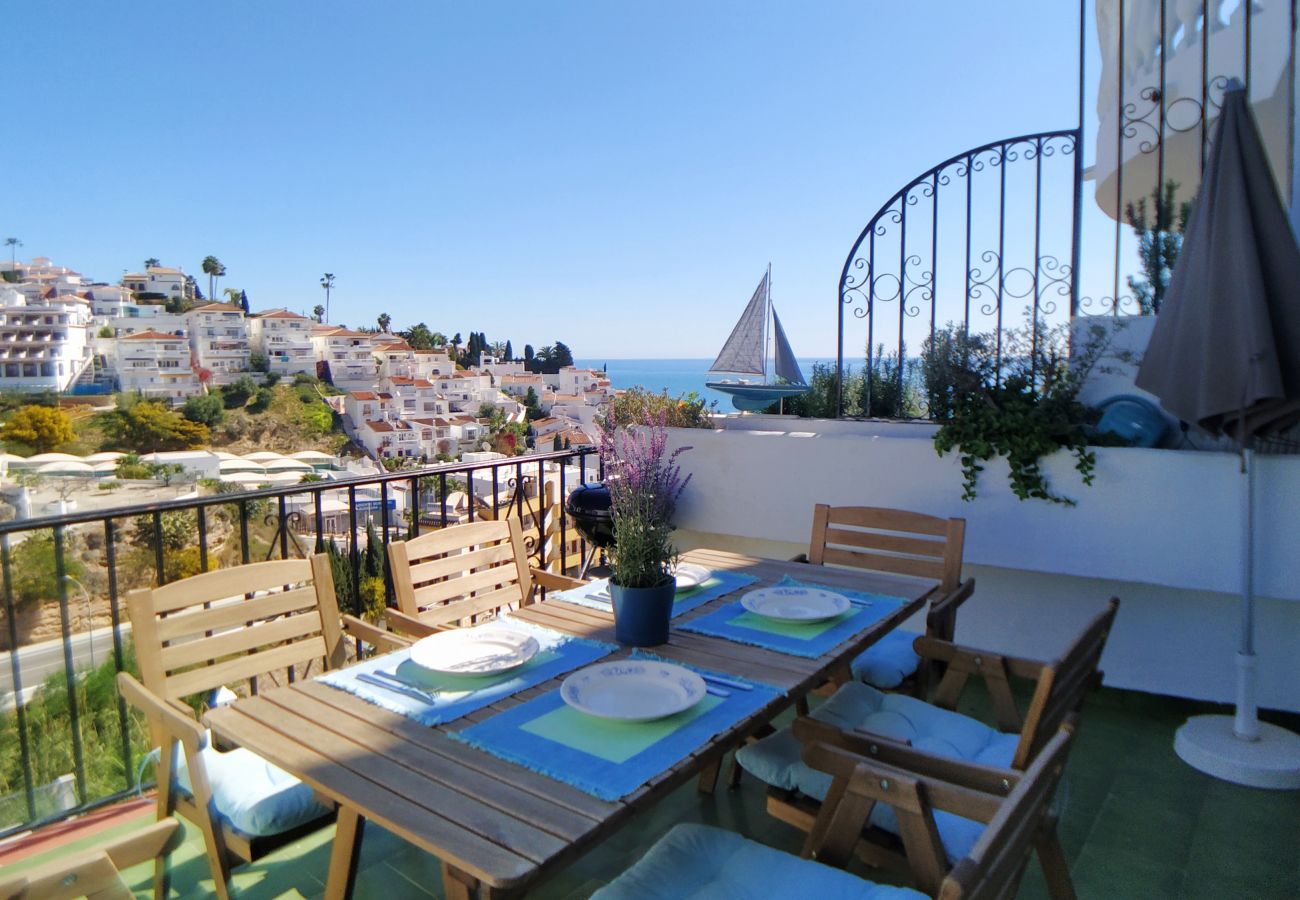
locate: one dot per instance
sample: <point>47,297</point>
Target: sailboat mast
<point>767,323</point>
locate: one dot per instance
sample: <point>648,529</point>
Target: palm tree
<point>439,339</point>
<point>327,282</point>
<point>384,321</point>
<point>319,313</point>
<point>221,271</point>
<point>152,263</point>
<point>233,295</point>
<point>13,244</point>
<point>212,268</point>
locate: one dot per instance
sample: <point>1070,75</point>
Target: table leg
<point>345,854</point>
<point>458,885</point>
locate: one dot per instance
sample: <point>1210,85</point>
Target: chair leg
<point>709,777</point>
<point>162,876</point>
<point>1056,870</point>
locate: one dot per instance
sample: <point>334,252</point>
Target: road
<point>38,662</point>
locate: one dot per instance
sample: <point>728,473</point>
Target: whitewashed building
<point>163,280</point>
<point>350,356</point>
<point>156,365</point>
<point>219,339</point>
<point>44,341</point>
<point>285,339</point>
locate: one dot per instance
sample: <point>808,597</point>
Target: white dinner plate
<point>795,604</point>
<point>689,575</point>
<point>632,690</point>
<point>474,651</point>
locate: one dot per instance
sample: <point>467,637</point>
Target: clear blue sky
<point>614,175</point>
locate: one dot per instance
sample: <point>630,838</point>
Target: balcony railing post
<point>119,659</point>
<point>16,676</point>
<point>69,663</point>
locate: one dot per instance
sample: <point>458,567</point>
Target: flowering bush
<point>644,483</point>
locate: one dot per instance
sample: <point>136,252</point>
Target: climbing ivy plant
<point>1020,403</point>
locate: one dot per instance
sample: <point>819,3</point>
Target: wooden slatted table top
<point>497,822</point>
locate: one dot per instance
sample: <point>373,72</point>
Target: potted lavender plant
<point>644,483</point>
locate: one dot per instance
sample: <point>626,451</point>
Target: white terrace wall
<point>1160,529</point>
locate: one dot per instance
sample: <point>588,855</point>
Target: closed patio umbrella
<point>1225,355</point>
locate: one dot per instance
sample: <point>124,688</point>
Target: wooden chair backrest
<point>896,541</point>
<point>1062,687</point>
<point>1015,817</point>
<point>539,520</point>
<point>993,868</point>
<point>225,626</point>
<point>95,872</point>
<point>460,573</point>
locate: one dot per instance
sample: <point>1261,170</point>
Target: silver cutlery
<point>395,687</point>
<point>404,680</point>
<point>726,682</point>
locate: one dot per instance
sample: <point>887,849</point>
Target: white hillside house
<point>44,341</point>
<point>156,365</point>
<point>219,339</point>
<point>285,339</point>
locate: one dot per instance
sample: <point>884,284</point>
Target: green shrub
<point>637,405</point>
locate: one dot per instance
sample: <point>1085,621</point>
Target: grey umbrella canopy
<point>1225,355</point>
<point>1225,350</point>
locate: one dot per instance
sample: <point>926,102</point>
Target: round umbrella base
<point>1209,744</point>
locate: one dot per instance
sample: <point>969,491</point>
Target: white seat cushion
<point>889,661</point>
<point>775,759</point>
<point>695,862</point>
<point>256,798</point>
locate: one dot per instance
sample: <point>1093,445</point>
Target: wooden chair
<point>1018,817</point>
<point>95,873</point>
<point>218,628</point>
<point>1060,689</point>
<point>462,575</point>
<point>889,540</point>
<point>896,542</point>
<point>539,519</point>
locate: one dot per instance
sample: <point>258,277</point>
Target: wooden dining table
<point>498,827</point>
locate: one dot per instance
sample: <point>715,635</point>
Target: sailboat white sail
<point>745,353</point>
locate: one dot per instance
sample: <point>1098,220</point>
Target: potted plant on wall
<point>644,482</point>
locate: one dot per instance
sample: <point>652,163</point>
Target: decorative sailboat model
<point>745,353</point>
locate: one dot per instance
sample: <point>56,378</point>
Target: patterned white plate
<point>474,651</point>
<point>795,604</point>
<point>632,690</point>
<point>690,575</point>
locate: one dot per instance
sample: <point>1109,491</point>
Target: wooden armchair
<point>463,574</point>
<point>910,734</point>
<point>193,635</point>
<point>97,872</point>
<point>896,542</point>
<point>1016,819</point>
<point>539,519</point>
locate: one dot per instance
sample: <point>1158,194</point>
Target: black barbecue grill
<point>589,508</point>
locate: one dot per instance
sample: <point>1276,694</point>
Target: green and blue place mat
<point>596,594</point>
<point>607,758</point>
<point>808,639</point>
<point>448,697</point>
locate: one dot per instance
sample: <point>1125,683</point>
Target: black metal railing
<point>958,244</point>
<point>998,237</point>
<point>64,716</point>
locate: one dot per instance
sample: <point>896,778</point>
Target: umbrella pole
<point>1245,723</point>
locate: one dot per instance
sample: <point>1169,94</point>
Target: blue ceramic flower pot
<point>641,615</point>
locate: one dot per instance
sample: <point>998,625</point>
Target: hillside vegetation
<point>282,417</point>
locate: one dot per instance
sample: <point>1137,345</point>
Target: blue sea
<point>677,376</point>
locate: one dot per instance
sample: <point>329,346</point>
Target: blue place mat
<point>457,695</point>
<point>605,758</point>
<point>718,584</point>
<point>735,623</point>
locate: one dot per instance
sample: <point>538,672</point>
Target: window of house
<point>29,370</point>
